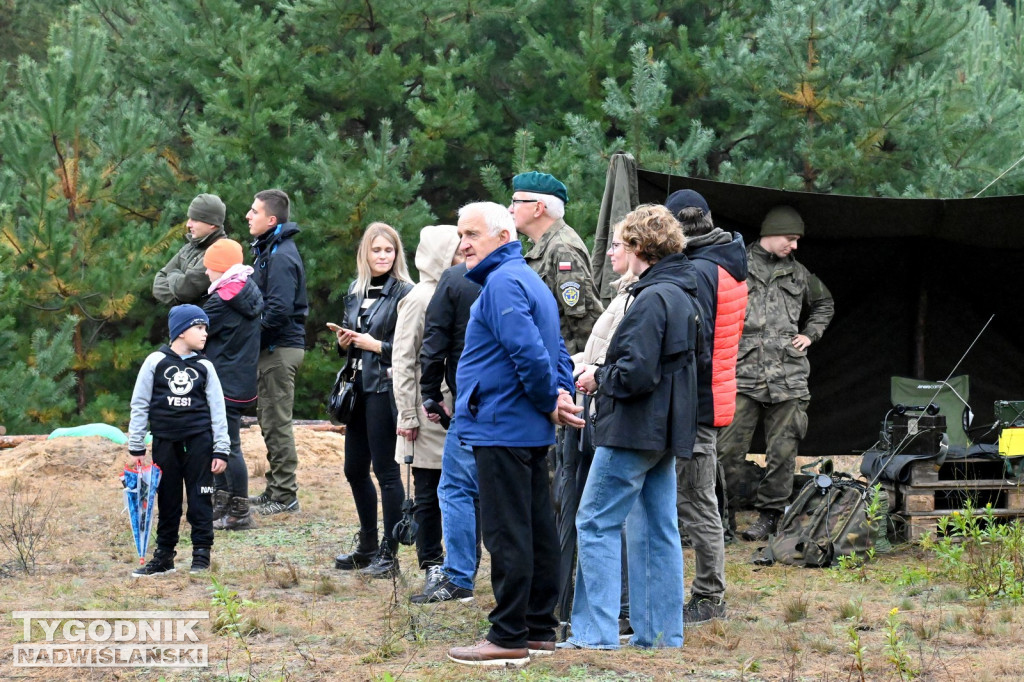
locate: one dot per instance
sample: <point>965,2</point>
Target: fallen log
<point>15,441</point>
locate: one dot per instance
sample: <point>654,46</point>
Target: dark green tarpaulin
<point>914,281</point>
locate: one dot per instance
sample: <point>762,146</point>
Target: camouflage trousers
<point>785,424</point>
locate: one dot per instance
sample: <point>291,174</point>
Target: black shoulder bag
<point>343,396</point>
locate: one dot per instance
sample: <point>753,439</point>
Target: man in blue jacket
<point>281,277</point>
<point>514,380</point>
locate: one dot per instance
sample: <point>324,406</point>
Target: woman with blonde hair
<point>365,337</point>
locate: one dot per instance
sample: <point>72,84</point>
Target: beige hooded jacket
<point>604,329</point>
<point>437,247</point>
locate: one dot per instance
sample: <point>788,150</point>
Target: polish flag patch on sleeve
<point>564,265</point>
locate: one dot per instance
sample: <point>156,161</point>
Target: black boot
<point>221,501</point>
<point>366,549</point>
<point>162,563</point>
<point>239,515</point>
<point>200,560</point>
<point>766,524</point>
<point>385,563</point>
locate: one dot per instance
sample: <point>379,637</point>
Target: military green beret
<point>540,183</point>
<point>782,220</point>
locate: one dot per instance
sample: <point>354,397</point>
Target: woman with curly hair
<point>646,417</point>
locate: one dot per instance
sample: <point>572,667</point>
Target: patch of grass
<point>852,609</point>
<point>284,576</point>
<point>324,585</point>
<point>923,629</point>
<point>794,608</point>
<point>953,593</point>
<point>953,621</point>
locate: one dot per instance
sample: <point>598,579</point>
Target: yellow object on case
<point>1011,442</point>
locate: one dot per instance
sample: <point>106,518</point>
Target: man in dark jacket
<point>281,277</point>
<point>721,263</point>
<point>511,377</point>
<point>233,346</point>
<point>444,335</point>
<point>183,279</point>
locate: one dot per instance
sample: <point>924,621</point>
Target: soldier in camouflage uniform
<point>183,279</point>
<point>558,254</point>
<point>561,259</point>
<point>772,369</point>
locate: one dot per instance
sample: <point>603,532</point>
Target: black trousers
<point>370,439</point>
<point>235,478</point>
<point>519,532</point>
<point>427,511</point>
<point>184,461</point>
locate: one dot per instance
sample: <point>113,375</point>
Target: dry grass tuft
<point>794,608</point>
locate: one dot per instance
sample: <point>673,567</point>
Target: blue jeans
<point>458,494</point>
<point>637,487</point>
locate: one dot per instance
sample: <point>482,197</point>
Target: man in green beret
<point>561,259</point>
<point>183,279</point>
<point>772,367</point>
<point>557,254</point>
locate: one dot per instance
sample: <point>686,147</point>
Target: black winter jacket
<point>381,319</point>
<point>281,277</point>
<point>233,343</point>
<point>444,331</point>
<point>647,388</point>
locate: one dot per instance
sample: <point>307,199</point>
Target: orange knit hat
<point>222,254</point>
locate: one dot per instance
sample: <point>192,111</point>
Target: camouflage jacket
<point>183,279</point>
<point>780,291</point>
<point>562,261</point>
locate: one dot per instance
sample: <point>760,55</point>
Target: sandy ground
<point>313,622</point>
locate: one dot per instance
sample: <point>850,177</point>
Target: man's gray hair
<point>553,206</point>
<point>495,216</point>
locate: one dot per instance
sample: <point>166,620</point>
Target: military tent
<point>914,282</point>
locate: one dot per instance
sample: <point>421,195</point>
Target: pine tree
<point>81,180</point>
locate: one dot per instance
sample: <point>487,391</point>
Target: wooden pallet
<point>912,525</point>
<point>937,491</point>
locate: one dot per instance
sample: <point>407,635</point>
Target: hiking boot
<point>277,507</point>
<point>702,609</point>
<point>385,562</point>
<point>221,502</point>
<point>239,516</point>
<point>445,590</point>
<point>162,563</point>
<point>260,499</point>
<point>434,576</point>
<point>486,653</point>
<point>366,549</point>
<point>538,648</point>
<point>766,524</point>
<point>200,560</point>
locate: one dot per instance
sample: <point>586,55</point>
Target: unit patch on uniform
<point>564,265</point>
<point>570,293</point>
